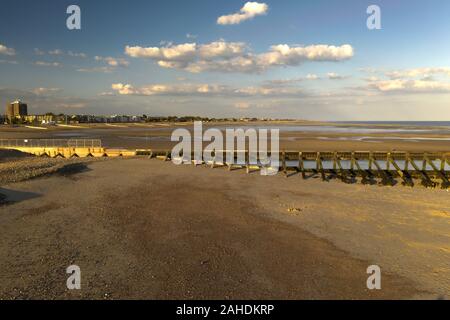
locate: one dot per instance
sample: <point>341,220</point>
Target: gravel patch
<point>16,167</point>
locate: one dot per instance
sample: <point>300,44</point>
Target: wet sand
<point>309,136</point>
<point>142,228</point>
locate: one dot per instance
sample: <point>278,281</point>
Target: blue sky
<point>181,60</point>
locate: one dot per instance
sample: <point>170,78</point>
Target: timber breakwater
<point>430,169</point>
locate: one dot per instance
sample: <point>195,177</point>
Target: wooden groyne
<point>431,168</point>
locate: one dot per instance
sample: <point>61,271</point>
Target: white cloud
<point>47,64</point>
<point>310,76</point>
<point>418,72</point>
<point>97,69</point>
<point>188,56</point>
<point>417,80</point>
<point>77,54</point>
<point>371,79</point>
<point>112,65</point>
<point>113,62</point>
<point>7,51</point>
<point>59,52</point>
<point>269,91</point>
<point>56,52</point>
<point>286,55</point>
<point>414,86</point>
<point>46,91</point>
<point>283,82</point>
<point>222,56</point>
<point>203,90</point>
<point>368,70</point>
<point>106,94</point>
<point>248,11</point>
<point>179,52</point>
<point>221,49</point>
<point>242,105</point>
<point>77,105</point>
<point>127,89</point>
<point>335,76</point>
<point>38,52</point>
<point>243,64</point>
<point>8,61</point>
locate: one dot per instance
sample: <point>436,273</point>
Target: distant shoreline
<point>294,135</point>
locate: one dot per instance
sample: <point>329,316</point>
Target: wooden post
<point>341,170</point>
<point>334,161</point>
<point>441,174</point>
<point>388,161</point>
<point>301,164</point>
<point>320,166</point>
<point>361,171</point>
<point>317,162</point>
<point>425,178</point>
<point>384,174</point>
<point>213,160</point>
<point>407,162</point>
<point>247,164</point>
<point>403,175</point>
<point>352,162</point>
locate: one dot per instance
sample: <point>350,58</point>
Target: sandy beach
<point>141,228</point>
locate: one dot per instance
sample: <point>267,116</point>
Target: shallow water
<point>338,129</point>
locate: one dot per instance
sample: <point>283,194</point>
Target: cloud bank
<point>411,86</point>
<point>222,56</point>
<point>204,90</point>
<point>415,80</point>
<point>418,72</point>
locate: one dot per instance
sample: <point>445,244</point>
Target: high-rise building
<point>20,109</point>
<point>9,111</point>
<point>16,109</point>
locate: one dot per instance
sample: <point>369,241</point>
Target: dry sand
<point>142,228</point>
